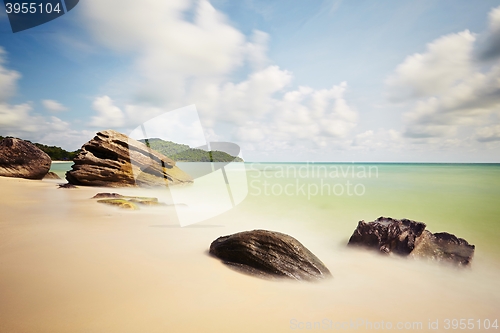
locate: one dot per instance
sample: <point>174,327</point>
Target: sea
<point>166,267</point>
<point>463,199</point>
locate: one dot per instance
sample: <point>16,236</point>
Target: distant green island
<point>184,153</point>
<point>55,153</point>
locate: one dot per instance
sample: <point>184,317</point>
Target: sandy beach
<point>69,264</point>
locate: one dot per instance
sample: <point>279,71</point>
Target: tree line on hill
<point>184,153</point>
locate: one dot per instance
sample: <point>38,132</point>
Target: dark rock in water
<point>444,247</point>
<point>22,159</point>
<point>268,253</point>
<point>51,175</point>
<point>113,159</point>
<point>67,185</point>
<point>406,237</point>
<point>388,235</point>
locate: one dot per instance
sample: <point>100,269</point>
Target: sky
<point>286,80</point>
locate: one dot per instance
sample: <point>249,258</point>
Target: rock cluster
<point>269,254</point>
<point>22,159</point>
<point>112,159</point>
<point>406,237</point>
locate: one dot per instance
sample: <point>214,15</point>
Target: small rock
<point>269,254</point>
<point>67,185</point>
<point>107,196</point>
<point>122,203</point>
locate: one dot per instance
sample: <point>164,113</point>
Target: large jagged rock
<point>112,159</point>
<point>406,237</point>
<point>388,235</point>
<point>269,254</point>
<point>22,159</point>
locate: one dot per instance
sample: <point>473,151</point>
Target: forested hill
<point>184,153</point>
<point>55,153</point>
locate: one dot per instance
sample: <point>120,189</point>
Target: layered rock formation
<point>22,159</point>
<point>113,159</point>
<point>269,254</point>
<point>406,237</point>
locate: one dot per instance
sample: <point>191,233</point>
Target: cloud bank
<point>453,94</point>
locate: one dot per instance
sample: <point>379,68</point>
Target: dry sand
<point>69,264</point>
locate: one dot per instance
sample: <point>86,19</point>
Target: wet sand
<point>69,264</point>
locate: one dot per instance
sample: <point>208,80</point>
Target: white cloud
<point>180,62</point>
<point>488,134</point>
<point>381,139</point>
<point>53,106</point>
<point>450,92</point>
<point>170,52</point>
<point>257,48</point>
<point>259,109</point>
<point>8,79</point>
<point>108,115</point>
<point>447,60</point>
<point>490,48</point>
<point>249,99</point>
<point>21,121</point>
<point>305,117</point>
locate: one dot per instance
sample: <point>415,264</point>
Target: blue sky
<point>287,80</point>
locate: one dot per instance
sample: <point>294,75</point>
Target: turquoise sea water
<point>462,199</point>
<point>61,168</point>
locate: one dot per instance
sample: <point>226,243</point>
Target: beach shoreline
<point>68,263</point>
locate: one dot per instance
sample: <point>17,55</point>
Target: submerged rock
<point>268,253</point>
<point>122,203</point>
<point>113,159</point>
<point>22,159</point>
<point>406,237</point>
<point>145,201</point>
